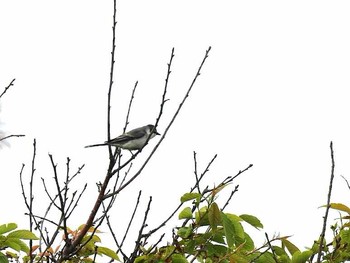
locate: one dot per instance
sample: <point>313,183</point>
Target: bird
<point>132,140</point>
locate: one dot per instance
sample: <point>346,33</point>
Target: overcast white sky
<point>273,92</point>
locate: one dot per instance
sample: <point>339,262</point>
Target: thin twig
<point>129,108</point>
<point>119,246</point>
<point>76,203</point>
<point>230,197</point>
<point>346,180</point>
<point>31,198</point>
<point>131,219</point>
<point>6,88</point>
<point>44,219</point>
<point>111,77</point>
<point>154,246</point>
<point>270,246</point>
<point>138,243</point>
<point>62,200</point>
<point>195,171</point>
<point>328,206</point>
<point>13,135</point>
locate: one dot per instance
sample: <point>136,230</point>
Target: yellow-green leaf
<point>229,230</point>
<point>19,244</point>
<point>252,220</point>
<point>23,234</point>
<point>290,246</point>
<point>186,213</point>
<point>202,216</point>
<point>190,196</point>
<point>7,228</point>
<point>239,231</point>
<point>108,252</point>
<point>184,232</point>
<point>266,258</point>
<point>178,258</point>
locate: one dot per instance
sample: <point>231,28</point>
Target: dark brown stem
<point>327,208</point>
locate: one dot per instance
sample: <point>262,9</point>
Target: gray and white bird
<point>132,140</point>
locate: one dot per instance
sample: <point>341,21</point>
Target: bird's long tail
<point>95,145</point>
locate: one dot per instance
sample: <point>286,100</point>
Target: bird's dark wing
<point>130,135</point>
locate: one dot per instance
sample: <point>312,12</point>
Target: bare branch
<point>111,75</point>
<point>31,198</point>
<point>62,199</point>
<point>230,197</point>
<point>129,108</point>
<point>6,88</point>
<point>131,219</point>
<point>195,171</point>
<point>347,182</point>
<point>138,242</point>
<point>327,208</point>
<point>13,135</point>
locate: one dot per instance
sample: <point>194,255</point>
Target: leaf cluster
<point>208,234</point>
<point>12,241</point>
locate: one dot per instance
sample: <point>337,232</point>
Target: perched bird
<point>131,140</point>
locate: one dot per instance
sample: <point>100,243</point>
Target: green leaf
<point>345,236</point>
<point>266,258</point>
<point>248,242</point>
<point>202,216</point>
<point>214,216</point>
<point>186,213</point>
<point>12,244</point>
<point>279,251</point>
<point>239,231</point>
<point>23,234</point>
<point>184,232</point>
<point>295,257</point>
<point>141,259</point>
<point>215,250</point>
<point>252,220</point>
<point>190,196</point>
<point>305,255</point>
<point>7,228</point>
<point>18,244</point>
<point>91,239</point>
<point>178,258</point>
<point>3,258</point>
<point>218,236</point>
<point>284,259</point>
<point>229,230</point>
<point>108,252</point>
<point>167,251</point>
<point>290,246</point>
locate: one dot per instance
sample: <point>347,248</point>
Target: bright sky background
<point>274,92</point>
